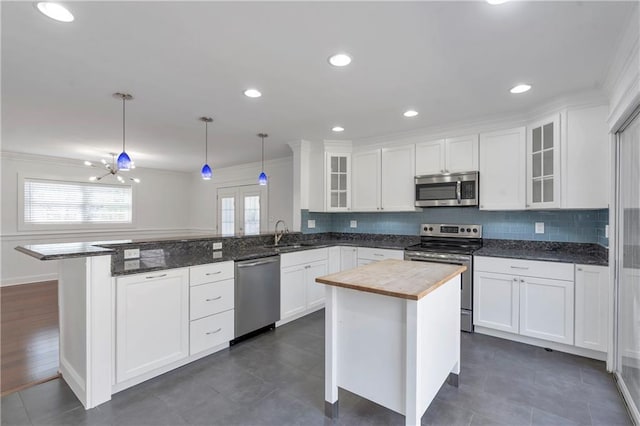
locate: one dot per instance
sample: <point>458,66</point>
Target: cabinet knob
<point>481,206</point>
<point>515,280</point>
<point>579,269</point>
<point>527,205</point>
<point>441,170</point>
<point>521,280</point>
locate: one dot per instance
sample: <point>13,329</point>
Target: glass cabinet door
<point>543,146</point>
<point>339,179</point>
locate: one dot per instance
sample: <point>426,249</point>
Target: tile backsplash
<point>578,226</point>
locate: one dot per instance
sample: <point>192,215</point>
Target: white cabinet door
<point>348,258</point>
<point>585,159</point>
<point>315,291</point>
<point>152,321</point>
<point>461,154</point>
<point>430,157</point>
<point>398,174</point>
<point>546,309</point>
<point>292,291</point>
<point>335,255</point>
<point>338,185</point>
<point>366,181</point>
<point>496,301</point>
<point>543,163</point>
<point>503,170</point>
<point>592,301</point>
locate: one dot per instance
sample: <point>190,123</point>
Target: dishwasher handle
<point>260,262</point>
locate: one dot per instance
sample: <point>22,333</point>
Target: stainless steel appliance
<point>453,189</point>
<point>257,295</point>
<point>454,244</point>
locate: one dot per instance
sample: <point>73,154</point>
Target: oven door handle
<point>459,191</point>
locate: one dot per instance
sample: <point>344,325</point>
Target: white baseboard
<point>298,316</point>
<point>29,279</point>
<point>74,380</point>
<point>587,353</point>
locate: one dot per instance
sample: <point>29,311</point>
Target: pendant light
<point>124,162</point>
<point>262,179</point>
<point>206,170</point>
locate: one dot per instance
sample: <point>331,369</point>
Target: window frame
<point>93,226</point>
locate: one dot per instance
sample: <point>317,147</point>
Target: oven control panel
<point>451,230</point>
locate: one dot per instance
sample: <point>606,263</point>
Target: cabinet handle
<point>378,254</point>
<point>441,170</point>
<point>527,205</point>
<point>519,267</point>
<point>579,269</point>
<point>213,273</point>
<point>213,332</point>
<point>155,276</point>
<point>215,298</point>
<point>521,280</point>
<point>515,280</point>
<point>307,267</point>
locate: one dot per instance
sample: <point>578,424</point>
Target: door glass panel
<point>334,181</point>
<point>227,212</point>
<point>334,164</point>
<point>547,190</point>
<point>343,199</point>
<point>628,262</point>
<point>547,161</point>
<point>537,165</point>
<point>334,199</point>
<point>537,191</point>
<point>537,139</point>
<point>343,164</point>
<point>252,215</point>
<point>343,182</point>
<point>548,136</point>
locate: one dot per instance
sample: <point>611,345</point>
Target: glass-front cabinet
<point>338,168</point>
<point>543,164</point>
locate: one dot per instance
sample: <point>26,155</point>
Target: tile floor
<point>277,379</point>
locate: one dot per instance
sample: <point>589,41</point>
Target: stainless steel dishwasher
<point>257,295</point>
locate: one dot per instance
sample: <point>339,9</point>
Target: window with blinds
<point>48,202</point>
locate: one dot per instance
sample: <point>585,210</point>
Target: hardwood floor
<point>29,327</point>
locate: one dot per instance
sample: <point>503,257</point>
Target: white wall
<point>161,204</point>
<point>280,192</point>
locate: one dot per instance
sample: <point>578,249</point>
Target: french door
<point>242,210</point>
<point>627,365</point>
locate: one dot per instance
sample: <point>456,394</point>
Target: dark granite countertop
<point>586,254</point>
<point>58,251</point>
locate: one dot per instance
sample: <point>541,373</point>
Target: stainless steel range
<point>455,244</point>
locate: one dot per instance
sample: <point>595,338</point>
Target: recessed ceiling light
<point>496,2</point>
<point>340,60</point>
<point>520,88</point>
<point>252,93</point>
<point>55,11</point>
<point>410,113</point>
<point>338,129</point>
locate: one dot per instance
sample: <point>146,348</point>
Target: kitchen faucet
<point>277,237</point>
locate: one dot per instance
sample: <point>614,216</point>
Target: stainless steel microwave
<point>453,189</point>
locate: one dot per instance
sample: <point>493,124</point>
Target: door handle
<point>458,191</point>
<point>519,267</point>
<point>213,273</point>
<point>215,298</point>
<point>264,262</point>
<point>213,332</point>
<point>155,276</point>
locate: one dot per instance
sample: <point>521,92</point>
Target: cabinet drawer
<point>379,254</point>
<point>211,331</point>
<point>212,298</point>
<point>525,268</point>
<point>306,256</point>
<point>211,272</point>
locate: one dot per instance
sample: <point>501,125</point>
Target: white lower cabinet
<point>496,302</point>
<point>529,298</point>
<point>348,258</point>
<point>211,331</point>
<point>152,321</point>
<point>368,255</point>
<point>546,309</point>
<point>299,292</point>
<point>592,312</point>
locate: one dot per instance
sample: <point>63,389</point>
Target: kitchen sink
<point>283,246</point>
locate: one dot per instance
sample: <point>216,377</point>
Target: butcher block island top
<point>397,278</point>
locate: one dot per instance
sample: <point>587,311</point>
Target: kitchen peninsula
<point>392,334</point>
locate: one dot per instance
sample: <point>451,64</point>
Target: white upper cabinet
<point>449,155</point>
<point>338,185</point>
<point>366,180</point>
<point>502,170</point>
<point>398,173</point>
<point>383,179</point>
<point>585,159</point>
<point>543,163</point>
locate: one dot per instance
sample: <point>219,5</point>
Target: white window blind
<point>53,202</point>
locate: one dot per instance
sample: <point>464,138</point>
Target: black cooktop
<point>457,246</point>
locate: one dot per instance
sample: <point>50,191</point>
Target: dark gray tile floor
<point>277,379</point>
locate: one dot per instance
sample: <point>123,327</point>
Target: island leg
<point>331,353</point>
<point>413,372</point>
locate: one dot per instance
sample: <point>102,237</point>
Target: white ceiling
<point>451,61</point>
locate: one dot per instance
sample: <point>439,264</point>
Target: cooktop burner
<point>449,238</point>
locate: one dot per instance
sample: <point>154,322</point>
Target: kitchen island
<point>392,334</point>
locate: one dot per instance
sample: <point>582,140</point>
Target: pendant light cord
<point>263,153</point>
<point>206,142</point>
<point>123,123</point>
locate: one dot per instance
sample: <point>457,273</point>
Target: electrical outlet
<point>217,246</point>
<point>354,223</point>
<point>539,227</point>
<point>606,231</point>
<point>217,254</point>
<point>132,253</point>
<point>311,223</point>
<point>131,264</point>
